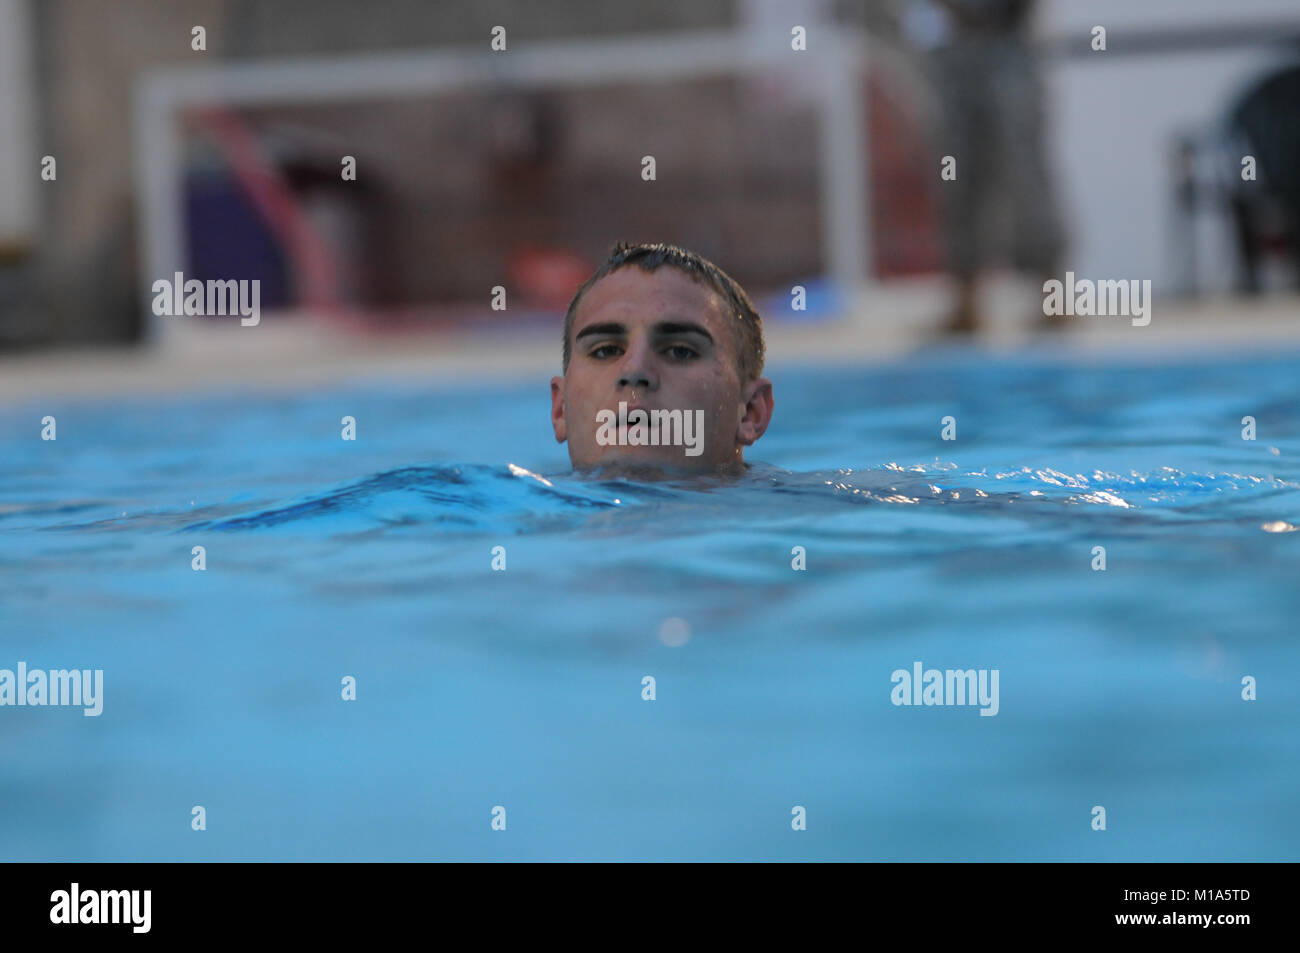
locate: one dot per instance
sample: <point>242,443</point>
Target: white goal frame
<point>836,52</point>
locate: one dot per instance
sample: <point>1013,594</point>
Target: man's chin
<point>637,466</point>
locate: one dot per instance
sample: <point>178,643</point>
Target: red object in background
<point>314,262</point>
<point>546,278</point>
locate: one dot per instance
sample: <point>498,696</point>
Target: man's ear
<point>757,395</point>
<point>557,409</point>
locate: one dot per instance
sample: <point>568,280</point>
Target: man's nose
<point>636,379</point>
<point>638,371</point>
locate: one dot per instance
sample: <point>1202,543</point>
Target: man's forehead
<point>634,296</point>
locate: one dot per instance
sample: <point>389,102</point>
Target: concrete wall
<point>17,125</point>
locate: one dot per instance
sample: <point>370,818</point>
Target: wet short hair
<point>747,324</point>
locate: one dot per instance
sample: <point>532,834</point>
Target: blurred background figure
<point>986,75</point>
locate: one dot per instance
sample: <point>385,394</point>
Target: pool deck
<point>887,325</point>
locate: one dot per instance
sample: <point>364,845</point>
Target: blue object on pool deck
<point>523,688</point>
<point>822,300</point>
<point>227,239</point>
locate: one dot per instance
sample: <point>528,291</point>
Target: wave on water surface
<point>483,498</point>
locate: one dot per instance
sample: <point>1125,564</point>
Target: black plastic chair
<point>1265,123</point>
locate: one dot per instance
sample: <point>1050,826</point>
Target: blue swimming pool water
<point>523,688</point>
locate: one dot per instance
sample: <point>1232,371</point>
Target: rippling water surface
<point>523,688</point>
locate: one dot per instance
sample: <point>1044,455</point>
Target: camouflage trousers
<point>1002,203</point>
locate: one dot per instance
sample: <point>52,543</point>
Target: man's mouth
<point>640,426</point>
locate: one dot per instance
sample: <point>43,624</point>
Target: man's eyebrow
<point>662,329</point>
<point>666,328</point>
<point>612,329</point>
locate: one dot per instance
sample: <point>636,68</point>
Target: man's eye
<point>681,352</point>
<point>605,350</point>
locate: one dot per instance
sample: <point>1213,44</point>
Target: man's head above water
<point>660,330</point>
